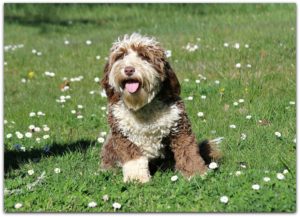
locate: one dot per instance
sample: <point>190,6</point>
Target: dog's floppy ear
<point>110,92</point>
<point>171,85</point>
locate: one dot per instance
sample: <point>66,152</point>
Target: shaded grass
<point>267,88</point>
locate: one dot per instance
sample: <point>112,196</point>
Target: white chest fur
<point>147,127</point>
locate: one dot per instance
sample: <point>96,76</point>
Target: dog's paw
<point>136,170</point>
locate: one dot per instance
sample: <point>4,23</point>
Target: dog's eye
<point>119,56</point>
<point>144,57</point>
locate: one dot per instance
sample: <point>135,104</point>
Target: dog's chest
<point>147,127</point>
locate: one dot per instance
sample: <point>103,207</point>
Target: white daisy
<point>235,103</point>
<point>30,172</point>
<point>101,140</point>
<point>197,81</point>
<point>19,135</point>
<point>285,171</point>
<point>8,136</point>
<point>97,79</point>
<point>168,53</point>
<point>232,126</point>
<point>116,205</point>
<point>236,45</point>
<point>278,134</point>
<point>32,114</point>
<point>105,197</point>
<point>18,205</point>
<point>190,98</point>
<point>57,170</point>
<point>79,116</point>
<point>217,82</point>
<point>255,187</point>
<point>280,176</point>
<point>28,134</point>
<point>203,97</point>
<point>103,133</point>
<point>80,106</point>
<point>200,114</point>
<point>241,100</point>
<point>98,57</point>
<point>37,129</point>
<point>238,65</point>
<point>224,199</point>
<point>266,179</point>
<point>174,178</point>
<point>248,117</point>
<point>46,137</point>
<point>238,173</point>
<point>88,42</point>
<point>226,44</point>
<point>213,165</point>
<point>243,136</point>
<point>92,204</point>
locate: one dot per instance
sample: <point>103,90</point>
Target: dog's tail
<point>210,150</point>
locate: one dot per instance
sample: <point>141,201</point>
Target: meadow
<point>237,67</point>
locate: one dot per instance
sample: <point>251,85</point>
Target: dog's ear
<point>171,86</point>
<point>110,92</point>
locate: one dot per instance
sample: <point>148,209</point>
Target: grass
<point>267,88</point>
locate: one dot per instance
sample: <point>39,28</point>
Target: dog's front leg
<point>134,164</point>
<point>186,154</point>
<point>136,169</point>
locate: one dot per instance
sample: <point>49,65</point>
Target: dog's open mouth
<point>132,86</point>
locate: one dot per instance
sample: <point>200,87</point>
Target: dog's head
<point>137,71</point>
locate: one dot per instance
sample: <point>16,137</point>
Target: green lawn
<point>255,79</point>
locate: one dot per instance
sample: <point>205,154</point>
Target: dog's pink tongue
<point>132,87</point>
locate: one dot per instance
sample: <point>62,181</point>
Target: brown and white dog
<point>146,114</point>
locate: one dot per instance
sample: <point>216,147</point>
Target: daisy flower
<point>116,206</point>
<point>213,165</point>
<point>280,176</point>
<point>238,65</point>
<point>168,53</point>
<point>232,126</point>
<point>236,45</point>
<point>92,204</point>
<point>101,140</point>
<point>46,137</point>
<point>8,136</point>
<point>18,205</point>
<point>278,134</point>
<point>248,117</point>
<point>105,197</point>
<point>224,199</point>
<point>30,172</point>
<point>57,170</point>
<point>97,79</point>
<point>266,179</point>
<point>255,187</point>
<point>28,134</point>
<point>32,114</point>
<point>88,42</point>
<point>174,178</point>
<point>238,173</point>
<point>200,114</point>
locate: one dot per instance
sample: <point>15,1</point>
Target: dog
<point>146,115</point>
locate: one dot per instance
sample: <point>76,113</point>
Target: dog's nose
<point>129,70</point>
